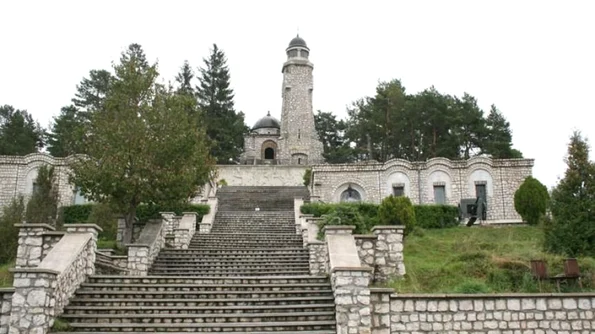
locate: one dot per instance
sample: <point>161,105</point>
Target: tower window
<point>292,53</point>
<point>304,53</point>
<point>398,191</point>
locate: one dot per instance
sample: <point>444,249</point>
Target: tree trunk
<point>130,217</point>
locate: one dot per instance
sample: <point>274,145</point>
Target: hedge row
<point>427,216</point>
<point>80,213</point>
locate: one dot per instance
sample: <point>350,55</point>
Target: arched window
<point>269,153</point>
<point>350,195</point>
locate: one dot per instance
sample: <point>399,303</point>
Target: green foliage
<point>42,207</point>
<point>397,211</point>
<point>61,325</point>
<point>345,215</point>
<point>81,213</point>
<point>184,80</point>
<point>6,276</point>
<point>393,124</point>
<point>531,200</point>
<point>436,216</point>
<point>19,133</point>
<point>482,259</point>
<point>572,229</point>
<point>307,177</point>
<point>103,215</point>
<point>225,127</point>
<point>331,134</point>
<point>144,147</point>
<point>13,213</point>
<point>222,182</point>
<point>67,132</point>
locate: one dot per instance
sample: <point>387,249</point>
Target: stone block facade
<point>423,181</point>
<point>5,307</point>
<point>35,242</point>
<point>482,314</point>
<point>352,300</point>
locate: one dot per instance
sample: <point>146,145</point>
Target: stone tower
<point>299,140</point>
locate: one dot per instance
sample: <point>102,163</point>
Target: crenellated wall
<point>418,180</point>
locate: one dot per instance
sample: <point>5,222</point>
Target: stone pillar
<point>318,257</point>
<point>352,300</point>
<point>5,308</point>
<point>93,230</point>
<point>33,301</point>
<point>121,228</point>
<point>138,260</point>
<point>30,249</point>
<point>380,309</point>
<point>168,221</point>
<point>297,208</point>
<point>388,252</point>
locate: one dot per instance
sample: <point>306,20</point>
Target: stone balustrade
<point>41,292</point>
<point>31,250</point>
<point>142,253</point>
<point>106,263</point>
<point>185,230</point>
<point>5,307</point>
<point>388,252</point>
<point>207,220</point>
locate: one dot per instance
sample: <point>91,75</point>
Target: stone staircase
<point>250,274</point>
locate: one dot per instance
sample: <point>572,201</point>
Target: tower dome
<point>297,41</point>
<point>267,121</point>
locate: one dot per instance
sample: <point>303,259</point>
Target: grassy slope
<point>481,259</point>
<point>5,275</point>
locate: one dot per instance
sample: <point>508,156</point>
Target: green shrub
<point>76,214</point>
<point>436,216</point>
<point>397,211</point>
<point>472,286</point>
<point>104,216</point>
<point>307,176</point>
<point>42,207</point>
<point>531,200</point>
<point>345,215</point>
<point>12,214</point>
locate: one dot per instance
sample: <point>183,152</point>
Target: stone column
<point>138,260</point>
<point>380,309</point>
<point>121,228</point>
<point>352,300</point>
<point>168,221</point>
<point>388,252</point>
<point>33,301</point>
<point>318,257</point>
<point>30,249</point>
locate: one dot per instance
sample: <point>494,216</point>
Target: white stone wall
<point>17,174</point>
<point>244,175</point>
<point>490,314</point>
<point>375,180</point>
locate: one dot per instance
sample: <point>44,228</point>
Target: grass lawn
<point>482,260</point>
<point>5,275</point>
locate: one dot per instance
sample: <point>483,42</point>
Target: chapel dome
<point>267,121</point>
<point>297,41</point>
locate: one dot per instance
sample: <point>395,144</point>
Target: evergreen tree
<point>572,230</point>
<point>12,214</point>
<point>143,146</point>
<point>332,135</point>
<point>225,126</point>
<point>531,200</point>
<point>19,133</point>
<point>91,92</point>
<point>42,207</point>
<point>498,141</point>
<point>67,133</point>
<point>184,80</point>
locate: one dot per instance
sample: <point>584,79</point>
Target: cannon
<point>472,209</point>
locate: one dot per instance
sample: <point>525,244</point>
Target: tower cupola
<point>297,48</point>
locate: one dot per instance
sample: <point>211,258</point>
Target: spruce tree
<point>67,132</point>
<point>572,230</point>
<point>19,133</point>
<point>184,80</point>
<point>225,127</point>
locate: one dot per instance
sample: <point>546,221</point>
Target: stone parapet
<point>318,258</point>
<point>207,220</point>
<point>352,300</point>
<point>388,252</point>
<point>30,250</point>
<point>142,253</point>
<point>501,313</point>
<point>366,246</point>
<point>5,307</point>
<point>32,309</point>
<point>380,309</point>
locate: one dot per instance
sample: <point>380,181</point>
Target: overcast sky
<point>535,60</point>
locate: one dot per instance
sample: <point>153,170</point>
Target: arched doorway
<point>269,153</point>
<point>350,195</point>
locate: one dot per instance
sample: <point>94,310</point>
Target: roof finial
<point>298,31</point>
<point>269,113</point>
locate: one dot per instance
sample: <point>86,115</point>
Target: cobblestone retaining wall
<point>483,314</point>
<point>352,300</point>
<point>5,306</point>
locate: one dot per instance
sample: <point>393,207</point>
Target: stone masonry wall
<point>490,314</point>
<point>142,253</point>
<point>352,300</point>
<point>5,307</point>
<point>375,181</point>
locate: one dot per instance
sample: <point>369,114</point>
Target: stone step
<point>251,332</point>
<point>192,262</point>
<point>202,302</point>
<point>224,243</point>
<point>233,251</point>
<point>154,279</point>
<point>203,287</point>
<point>229,272</point>
<point>232,269</point>
<point>246,236</point>
<point>268,327</point>
<point>94,293</point>
<point>221,318</point>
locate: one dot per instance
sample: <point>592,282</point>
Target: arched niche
<point>299,159</point>
<point>342,193</point>
<point>30,178</point>
<point>269,150</point>
<point>397,182</point>
<point>480,178</point>
<point>439,186</point>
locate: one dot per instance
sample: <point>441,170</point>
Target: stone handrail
<point>185,231</point>
<point>107,263</point>
<point>42,292</point>
<point>5,307</point>
<point>207,220</point>
<point>142,253</point>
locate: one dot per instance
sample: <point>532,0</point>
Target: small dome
<point>297,41</point>
<point>267,121</point>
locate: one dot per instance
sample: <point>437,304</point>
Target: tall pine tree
<point>19,133</point>
<point>225,127</point>
<point>184,80</point>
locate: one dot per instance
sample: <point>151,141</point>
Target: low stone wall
<point>142,253</point>
<point>207,221</point>
<point>5,306</point>
<point>185,230</point>
<point>482,314</point>
<point>32,249</point>
<point>108,264</point>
